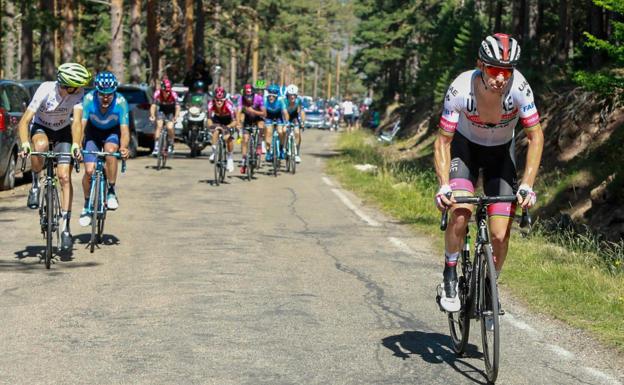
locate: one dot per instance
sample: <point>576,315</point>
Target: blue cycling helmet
<point>106,82</point>
<point>273,90</point>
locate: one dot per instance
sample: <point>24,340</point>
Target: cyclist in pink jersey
<point>168,108</point>
<point>481,110</point>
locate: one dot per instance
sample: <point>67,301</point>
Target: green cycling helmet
<point>260,84</point>
<point>73,75</point>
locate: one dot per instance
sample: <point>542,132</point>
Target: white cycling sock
<point>451,258</point>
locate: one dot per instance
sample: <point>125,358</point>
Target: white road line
<point>328,181</point>
<point>401,245</point>
<point>561,351</point>
<point>603,376</point>
<point>354,208</point>
<point>521,325</point>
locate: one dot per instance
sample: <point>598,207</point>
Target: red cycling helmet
<point>166,85</point>
<point>219,93</point>
<point>247,90</point>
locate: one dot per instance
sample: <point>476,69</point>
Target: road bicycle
<point>477,288</point>
<point>163,147</point>
<point>49,202</point>
<point>96,205</point>
<point>254,152</point>
<point>220,160</point>
<point>290,149</point>
<point>275,150</point>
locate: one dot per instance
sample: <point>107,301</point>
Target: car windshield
<point>134,96</point>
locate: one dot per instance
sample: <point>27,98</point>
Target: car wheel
<point>8,180</point>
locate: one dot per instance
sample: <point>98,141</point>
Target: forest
<point>142,40</point>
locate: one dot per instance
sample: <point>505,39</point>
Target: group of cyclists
<point>62,118</point>
<point>258,105</point>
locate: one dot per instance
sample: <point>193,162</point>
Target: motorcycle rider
<point>198,72</point>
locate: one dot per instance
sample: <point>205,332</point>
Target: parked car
<point>14,100</point>
<point>31,85</point>
<point>315,119</point>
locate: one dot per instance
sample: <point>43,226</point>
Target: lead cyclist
<point>481,110</point>
<point>54,116</point>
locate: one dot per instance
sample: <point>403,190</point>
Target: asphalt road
<point>287,280</point>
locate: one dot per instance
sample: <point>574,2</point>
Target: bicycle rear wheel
<point>94,213</point>
<point>49,213</point>
<point>488,293</point>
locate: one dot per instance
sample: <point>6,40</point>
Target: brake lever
<point>444,220</point>
<point>525,220</point>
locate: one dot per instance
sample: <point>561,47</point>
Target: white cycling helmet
<point>292,90</point>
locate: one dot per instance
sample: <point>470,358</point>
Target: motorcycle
<point>196,134</point>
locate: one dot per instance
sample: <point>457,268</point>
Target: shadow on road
<point>434,348</point>
<point>35,255</point>
<point>107,239</point>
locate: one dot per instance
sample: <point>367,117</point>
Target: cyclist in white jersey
<point>481,110</point>
<point>48,120</point>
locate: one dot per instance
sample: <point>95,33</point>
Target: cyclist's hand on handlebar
<point>26,149</point>
<point>124,153</point>
<point>75,150</point>
<point>444,197</point>
<point>526,196</point>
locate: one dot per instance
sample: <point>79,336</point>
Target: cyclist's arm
<point>23,125</point>
<point>535,135</point>
<point>301,115</point>
<point>76,129</point>
<point>177,111</point>
<point>442,157</point>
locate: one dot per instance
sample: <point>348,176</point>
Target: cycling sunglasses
<point>493,71</point>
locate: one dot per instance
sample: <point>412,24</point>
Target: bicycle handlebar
<point>103,154</point>
<point>484,201</point>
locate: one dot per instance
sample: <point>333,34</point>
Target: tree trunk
<point>216,55</point>
<point>232,70</point>
<point>519,19</point>
<point>563,30</point>
<point>67,53</point>
<point>27,70</point>
<point>255,47</point>
<point>47,41</point>
<point>10,47</point>
<point>117,40</point>
<point>200,24</point>
<point>188,33</point>
<point>153,40</point>
<point>596,28</point>
<point>135,42</point>
<point>498,18</point>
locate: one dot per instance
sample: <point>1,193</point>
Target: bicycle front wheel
<point>222,161</point>
<point>94,213</point>
<point>490,326</point>
<point>292,149</point>
<point>49,213</point>
<point>459,322</point>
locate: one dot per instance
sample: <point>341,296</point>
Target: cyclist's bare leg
<point>298,139</point>
<point>170,131</point>
<point>63,172</point>
<point>244,143</point>
<point>268,133</point>
<point>86,178</point>
<point>40,144</point>
<point>500,229</point>
<point>159,126</point>
<point>229,140</point>
<point>281,130</point>
<point>456,229</point>
<point>111,162</point>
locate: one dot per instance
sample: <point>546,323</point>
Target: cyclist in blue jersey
<point>296,115</point>
<point>105,123</point>
<point>276,115</point>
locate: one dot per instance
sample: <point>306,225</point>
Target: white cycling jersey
<point>460,110</point>
<point>51,110</point>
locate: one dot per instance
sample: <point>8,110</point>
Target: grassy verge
<point>567,283</point>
